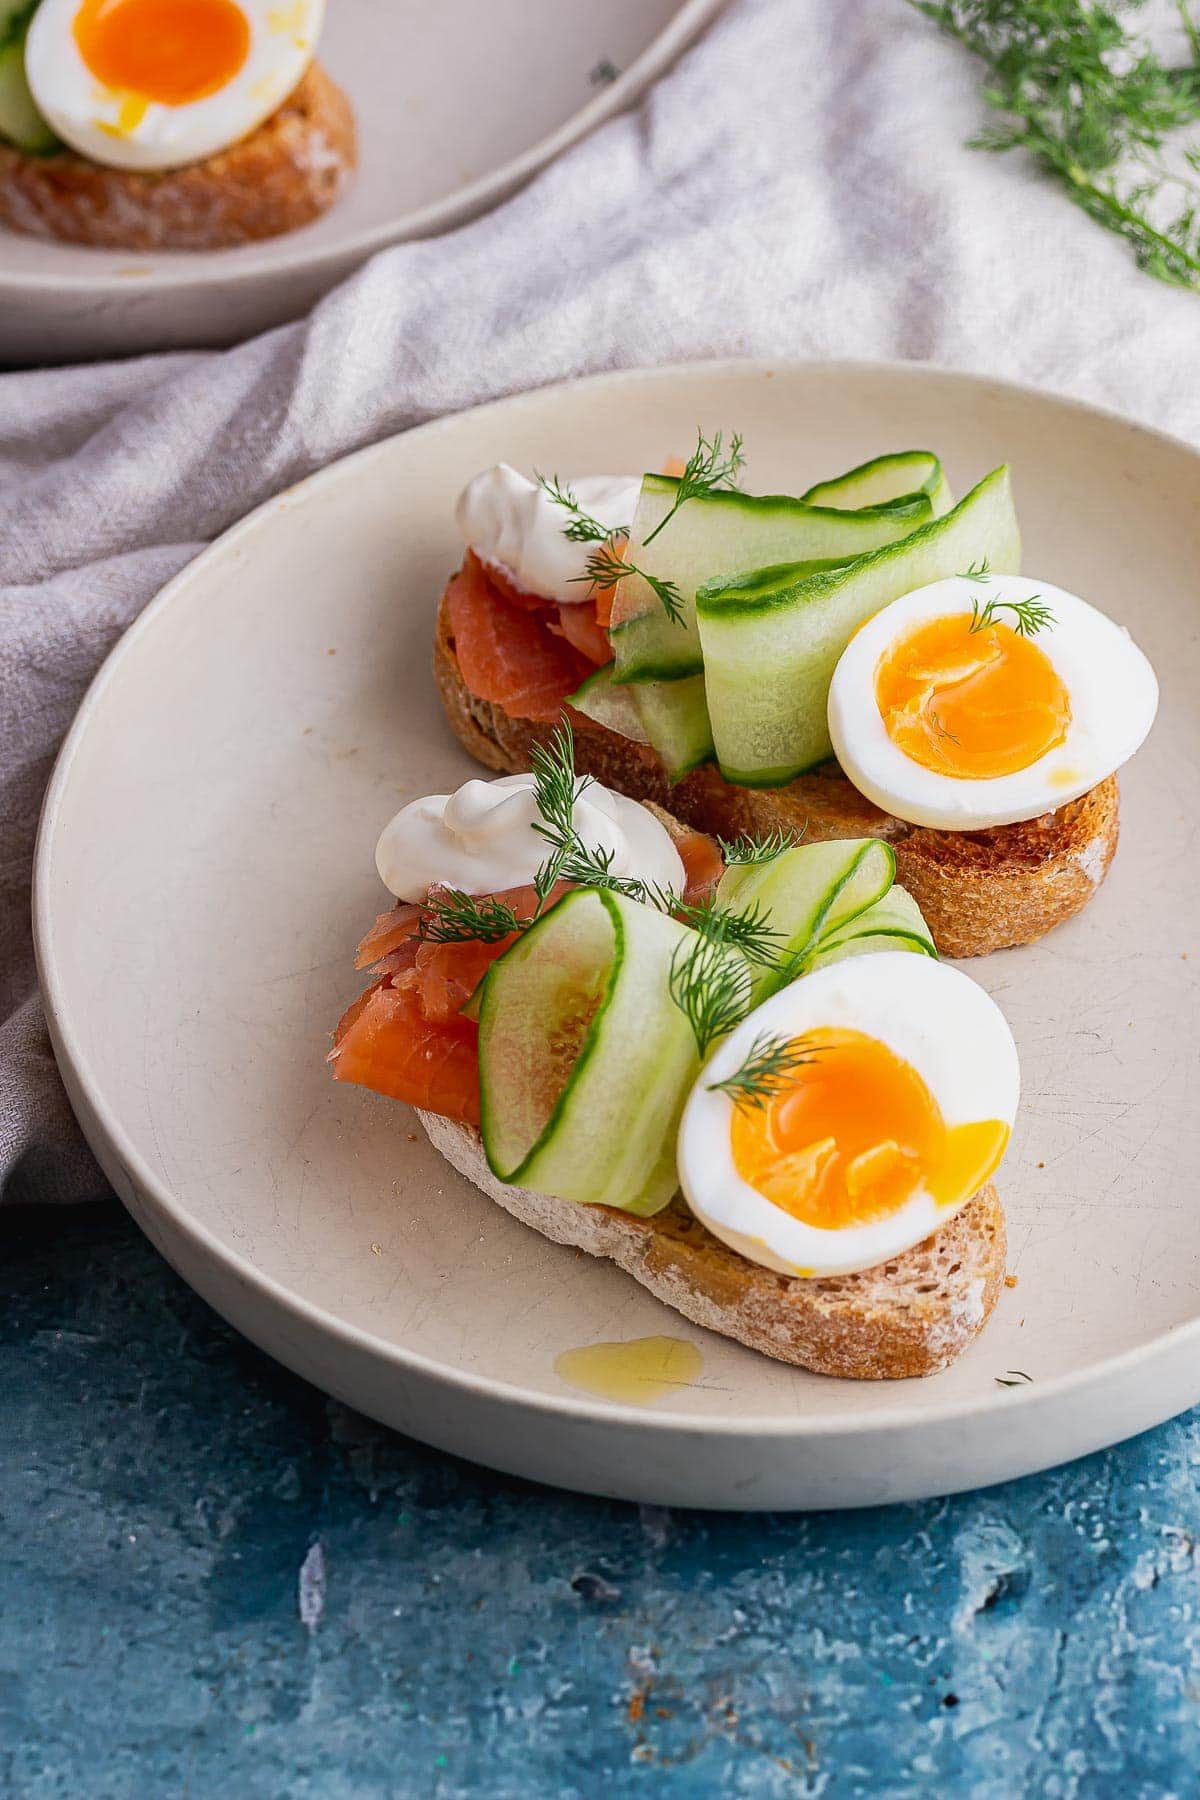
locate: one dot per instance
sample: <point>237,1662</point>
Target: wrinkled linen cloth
<point>797,186</point>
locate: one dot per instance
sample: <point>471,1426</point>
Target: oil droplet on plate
<point>635,1373</point>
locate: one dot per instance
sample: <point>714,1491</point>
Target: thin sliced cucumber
<point>893,923</point>
<point>584,1060</point>
<point>808,895</point>
<point>714,535</point>
<point>20,121</point>
<point>884,479</point>
<point>611,705</point>
<point>670,715</point>
<point>675,717</point>
<point>772,640</point>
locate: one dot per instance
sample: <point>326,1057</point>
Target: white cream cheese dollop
<point>507,519</point>
<point>481,839</point>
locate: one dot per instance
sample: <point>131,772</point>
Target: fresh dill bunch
<point>1097,107</point>
<point>764,848</point>
<point>581,527</point>
<point>710,984</point>
<point>710,466</point>
<point>767,1070</point>
<point>749,931</point>
<point>457,918</point>
<point>608,564</point>
<point>1029,616</point>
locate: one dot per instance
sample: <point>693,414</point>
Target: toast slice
<point>979,890</point>
<point>283,175</point>
<point>911,1316</point>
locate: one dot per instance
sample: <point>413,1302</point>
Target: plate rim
<point>1025,1402</point>
<point>171,271</point>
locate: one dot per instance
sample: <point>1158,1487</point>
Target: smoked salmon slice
<point>703,864</point>
<point>507,654</point>
<point>406,1036</point>
<point>579,626</point>
<point>385,1042</point>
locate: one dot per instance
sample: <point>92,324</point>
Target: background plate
<point>457,105</point>
<point>205,868</point>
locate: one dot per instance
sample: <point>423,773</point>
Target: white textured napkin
<point>798,186</point>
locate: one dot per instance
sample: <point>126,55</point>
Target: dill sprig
<point>608,564</point>
<point>1029,616</point>
<point>764,848</point>
<point>1014,1378</point>
<point>978,571</point>
<point>457,918</point>
<point>768,1068</point>
<point>581,527</point>
<point>749,931</point>
<point>710,984</point>
<point>710,466</point>
<point>1095,105</point>
<point>556,789</point>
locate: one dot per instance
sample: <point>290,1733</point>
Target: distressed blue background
<point>217,1582</point>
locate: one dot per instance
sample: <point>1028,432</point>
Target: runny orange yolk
<point>973,704</point>
<point>855,1134</point>
<point>170,51</point>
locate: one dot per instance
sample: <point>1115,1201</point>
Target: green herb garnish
<point>770,1063</point>
<point>749,931</point>
<point>1029,616</point>
<point>761,849</point>
<point>710,984</point>
<point>607,565</point>
<point>709,467</point>
<point>1096,106</point>
<point>581,527</point>
<point>457,918</point>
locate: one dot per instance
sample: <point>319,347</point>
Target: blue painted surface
<point>216,1582</point>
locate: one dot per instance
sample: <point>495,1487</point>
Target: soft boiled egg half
<point>982,700</point>
<point>151,84</point>
<point>894,1108</point>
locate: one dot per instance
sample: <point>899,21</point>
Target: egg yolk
<point>973,704</point>
<point>169,51</point>
<point>854,1134</point>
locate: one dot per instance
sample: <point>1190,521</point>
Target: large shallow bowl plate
<point>457,105</point>
<point>205,867</point>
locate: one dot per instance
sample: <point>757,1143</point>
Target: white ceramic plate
<point>205,868</point>
<point>457,105</point>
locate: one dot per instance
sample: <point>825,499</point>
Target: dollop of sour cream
<point>507,519</point>
<point>481,839</point>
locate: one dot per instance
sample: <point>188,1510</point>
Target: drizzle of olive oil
<point>635,1373</point>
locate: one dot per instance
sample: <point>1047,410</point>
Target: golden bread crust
<point>283,175</point>
<point>911,1316</point>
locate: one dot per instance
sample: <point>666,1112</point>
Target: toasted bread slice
<point>911,1316</point>
<point>285,174</point>
<point>978,890</point>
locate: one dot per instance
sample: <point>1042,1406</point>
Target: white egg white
<point>95,120</point>
<point>933,1017</point>
<point>1112,689</point>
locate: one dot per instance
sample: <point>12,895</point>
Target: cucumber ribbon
<point>586,1061</point>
